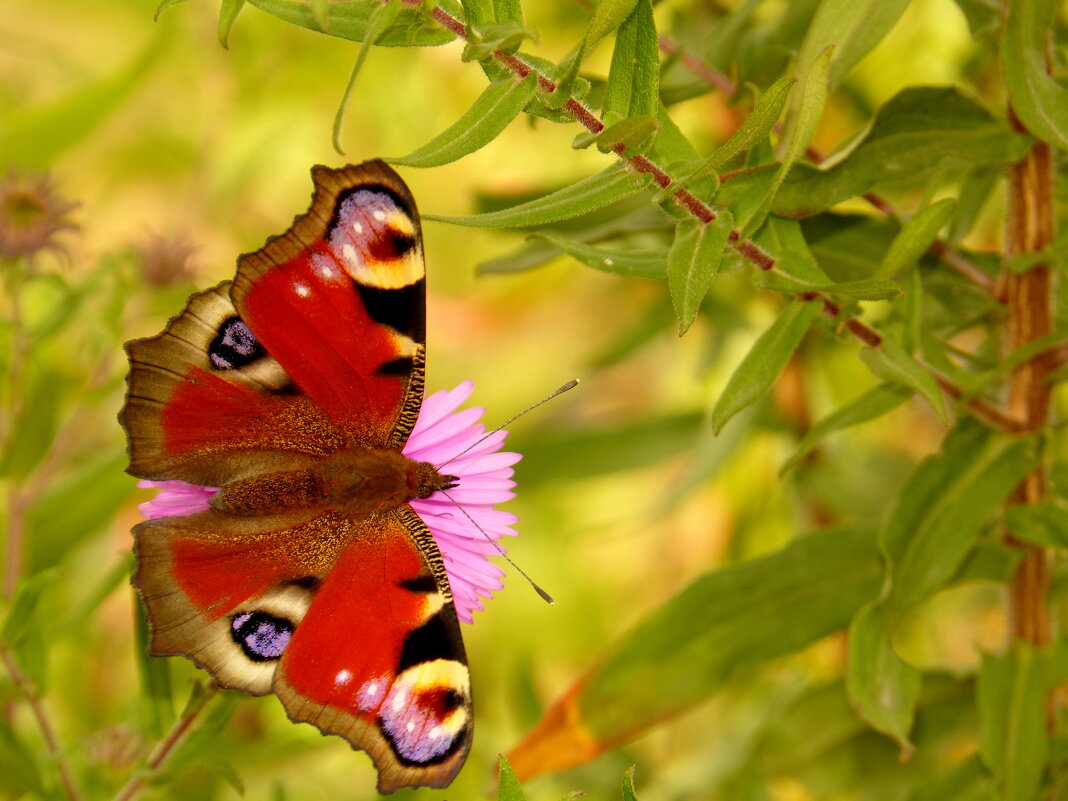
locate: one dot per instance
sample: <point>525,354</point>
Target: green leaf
<point>693,262</point>
<point>754,129</point>
<point>228,11</point>
<point>882,686</point>
<point>634,76</point>
<point>1044,524</point>
<point>748,613</point>
<point>854,27</point>
<point>915,238</point>
<point>944,507</point>
<point>1013,740</point>
<point>499,104</point>
<point>589,194</point>
<point>631,263</point>
<point>35,429</point>
<point>872,404</point>
<point>35,136</point>
<point>863,289</point>
<point>627,787</point>
<point>1038,99</point>
<point>157,711</point>
<point>912,134</point>
<point>22,773</point>
<point>23,632</point>
<point>75,508</point>
<point>508,787</point>
<point>163,6</point>
<point>608,16</point>
<point>384,16</point>
<point>606,450</point>
<point>800,128</point>
<point>350,20</point>
<point>785,242</point>
<point>968,781</point>
<point>632,133</point>
<point>891,362</point>
<point>762,365</point>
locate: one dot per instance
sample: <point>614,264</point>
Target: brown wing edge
<point>392,773</point>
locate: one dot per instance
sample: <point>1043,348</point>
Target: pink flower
<point>463,537</point>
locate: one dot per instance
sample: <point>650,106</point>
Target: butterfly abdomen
<point>358,481</point>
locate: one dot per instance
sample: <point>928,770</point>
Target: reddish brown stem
<point>701,211</point>
<point>44,723</point>
<point>1029,229</point>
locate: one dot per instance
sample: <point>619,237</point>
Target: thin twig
<point>44,723</point>
<point>165,747</point>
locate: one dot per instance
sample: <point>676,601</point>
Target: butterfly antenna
<point>544,595</point>
<point>574,382</point>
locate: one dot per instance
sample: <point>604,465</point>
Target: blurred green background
<point>183,155</point>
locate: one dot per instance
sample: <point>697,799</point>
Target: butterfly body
<point>292,390</point>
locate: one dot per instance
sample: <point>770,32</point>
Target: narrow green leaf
<point>1043,524</point>
<point>22,773</point>
<point>854,27</point>
<point>632,263</point>
<point>35,136</point>
<point>800,128</point>
<point>1038,99</point>
<point>508,787</point>
<point>627,787</point>
<point>350,20</point>
<point>24,632</point>
<point>872,404</point>
<point>882,686</point>
<point>384,16</point>
<point>915,238</point>
<point>891,362</point>
<point>479,12</point>
<point>75,508</point>
<point>228,11</point>
<point>608,16</point>
<point>863,289</point>
<point>754,129</point>
<point>35,428</point>
<point>163,6</point>
<point>693,262</point>
<point>919,129</point>
<point>320,10</point>
<point>1013,740</point>
<point>632,133</point>
<point>633,82</point>
<point>157,711</point>
<point>762,365</point>
<point>945,506</point>
<point>589,194</point>
<point>498,105</point>
<point>749,613</point>
<point>794,261</point>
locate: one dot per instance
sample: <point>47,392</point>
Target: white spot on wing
<point>302,290</point>
<point>342,677</point>
<point>357,227</point>
<point>350,254</point>
<point>379,215</point>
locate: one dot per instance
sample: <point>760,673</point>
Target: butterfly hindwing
<point>293,389</point>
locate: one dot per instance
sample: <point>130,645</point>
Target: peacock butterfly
<point>293,389</point>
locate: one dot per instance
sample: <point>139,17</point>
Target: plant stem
<point>16,499</point>
<point>44,723</point>
<point>1029,228</point>
<point>748,249</point>
<point>165,747</point>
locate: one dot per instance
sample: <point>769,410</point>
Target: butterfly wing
<point>317,345</point>
<point>351,624</point>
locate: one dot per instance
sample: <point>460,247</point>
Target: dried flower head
<point>31,214</point>
<point>166,259</point>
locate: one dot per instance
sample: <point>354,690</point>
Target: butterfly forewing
<point>313,356</point>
